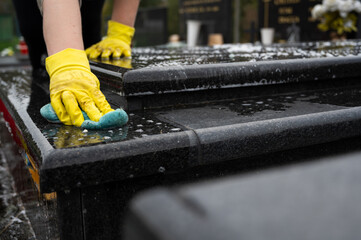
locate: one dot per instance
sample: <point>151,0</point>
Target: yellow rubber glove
<point>117,43</point>
<point>72,85</point>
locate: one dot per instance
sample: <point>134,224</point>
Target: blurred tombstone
<point>282,14</point>
<point>215,17</point>
<point>151,27</point>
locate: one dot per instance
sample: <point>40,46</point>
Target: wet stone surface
<point>177,148</point>
<point>30,97</point>
<point>139,126</point>
<point>14,223</point>
<point>142,124</point>
<point>220,113</point>
<point>263,107</point>
<point>228,53</point>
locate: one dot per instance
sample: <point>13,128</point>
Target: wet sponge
<point>116,118</point>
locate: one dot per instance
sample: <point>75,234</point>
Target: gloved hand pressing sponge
<point>117,43</point>
<point>74,86</point>
<point>112,119</point>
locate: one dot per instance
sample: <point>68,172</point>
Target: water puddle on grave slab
<point>140,125</point>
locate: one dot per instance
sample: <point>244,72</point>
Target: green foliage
<point>333,21</point>
<point>10,43</point>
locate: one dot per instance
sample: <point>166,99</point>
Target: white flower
<point>318,11</point>
<point>358,7</point>
<point>345,6</point>
<point>330,5</point>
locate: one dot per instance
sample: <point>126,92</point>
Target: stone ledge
<point>232,75</point>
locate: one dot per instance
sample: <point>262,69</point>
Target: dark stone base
<point>108,203</point>
<point>318,200</point>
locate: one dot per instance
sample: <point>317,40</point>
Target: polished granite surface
<point>244,109</point>
<point>167,56</point>
<point>27,95</point>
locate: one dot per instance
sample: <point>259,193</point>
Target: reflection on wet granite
<point>349,97</point>
<point>139,126</point>
<point>28,95</point>
<point>259,108</point>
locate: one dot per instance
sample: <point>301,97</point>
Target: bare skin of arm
<point>62,22</point>
<point>62,25</point>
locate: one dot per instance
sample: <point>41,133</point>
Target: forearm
<point>125,11</point>
<point>62,25</point>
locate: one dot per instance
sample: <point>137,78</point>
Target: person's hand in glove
<point>73,86</point>
<point>116,44</point>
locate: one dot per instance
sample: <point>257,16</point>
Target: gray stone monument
<point>281,14</point>
<point>215,16</point>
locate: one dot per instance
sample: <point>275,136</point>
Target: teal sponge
<point>114,119</point>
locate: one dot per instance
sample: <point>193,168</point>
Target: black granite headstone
<point>215,15</point>
<point>281,14</point>
<point>314,201</point>
<point>151,27</point>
